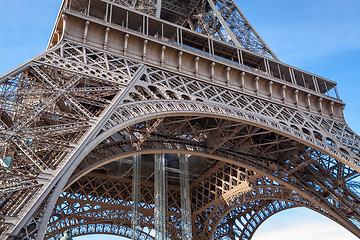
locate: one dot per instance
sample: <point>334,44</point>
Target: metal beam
<point>136,187</point>
<point>224,24</point>
<point>185,198</point>
<point>158,8</point>
<point>160,197</point>
<point>252,29</point>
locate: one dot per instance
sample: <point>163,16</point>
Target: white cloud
<point>308,231</point>
<point>300,224</point>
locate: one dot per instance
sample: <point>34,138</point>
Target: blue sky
<point>321,37</point>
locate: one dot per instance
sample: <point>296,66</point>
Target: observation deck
<point>121,19</point>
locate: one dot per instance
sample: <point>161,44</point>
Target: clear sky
<point>322,37</point>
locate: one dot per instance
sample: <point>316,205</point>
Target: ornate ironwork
<point>225,134</point>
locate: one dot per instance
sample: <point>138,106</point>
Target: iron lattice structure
<point>167,120</point>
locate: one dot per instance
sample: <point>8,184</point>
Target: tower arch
<point>190,87</point>
<point>182,143</point>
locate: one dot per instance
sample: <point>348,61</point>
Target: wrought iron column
<point>185,197</point>
<point>158,8</point>
<point>160,195</point>
<point>136,187</point>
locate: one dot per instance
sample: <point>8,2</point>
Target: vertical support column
<point>267,64</point>
<point>284,93</point>
<point>240,56</point>
<point>185,198</point>
<point>242,84</point>
<point>107,12</point>
<point>62,50</point>
<point>296,93</point>
<point>68,4</point>
<point>308,97</point>
<point>270,83</point>
<point>144,24</point>
<point>316,84</point>
<point>136,187</point>
<point>127,19</point>
<point>86,29</point>
<point>212,71</point>
<point>88,8</point>
<point>196,66</point>
<point>160,195</point>
<point>228,76</point>
<point>64,17</point>
<point>181,38</point>
<point>111,11</point>
<point>280,76</point>
<point>177,36</point>
<point>320,100</point>
<point>107,30</point>
<point>257,85</point>
<point>180,61</point>
<point>158,8</point>
<point>126,43</point>
<point>162,61</point>
<point>145,42</point>
<point>84,55</point>
<point>210,51</point>
<point>332,109</point>
<point>292,76</point>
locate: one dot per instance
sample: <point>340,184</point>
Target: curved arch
<point>134,113</point>
<point>257,193</point>
<point>222,156</point>
<point>90,206</point>
<point>131,113</point>
<point>246,226</point>
<point>104,227</point>
<point>176,147</point>
<point>268,213</point>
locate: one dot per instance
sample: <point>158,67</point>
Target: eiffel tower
<point>168,119</point>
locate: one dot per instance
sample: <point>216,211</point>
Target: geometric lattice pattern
<point>167,120</point>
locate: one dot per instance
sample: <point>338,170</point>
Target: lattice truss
<point>146,6</point>
<point>231,27</point>
<point>280,157</point>
<point>46,107</point>
<point>328,134</point>
<point>226,199</point>
<point>221,19</point>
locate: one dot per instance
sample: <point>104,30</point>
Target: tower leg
<point>160,195</point>
<point>185,198</point>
